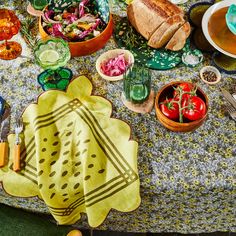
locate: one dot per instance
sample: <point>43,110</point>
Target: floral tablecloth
<point>188,180</point>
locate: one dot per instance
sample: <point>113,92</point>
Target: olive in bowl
<point>181,106</point>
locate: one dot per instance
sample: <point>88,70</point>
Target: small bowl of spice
<point>192,58</point>
<point>210,75</point>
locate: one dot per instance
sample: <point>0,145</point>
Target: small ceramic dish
<point>109,55</point>
<point>210,75</point>
<point>192,58</point>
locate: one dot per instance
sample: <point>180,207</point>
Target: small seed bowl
<point>210,75</point>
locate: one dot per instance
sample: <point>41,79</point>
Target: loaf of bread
<point>147,15</point>
<point>160,22</point>
<point>179,38</point>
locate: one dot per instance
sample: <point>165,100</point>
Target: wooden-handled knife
<point>3,146</point>
<point>4,130</point>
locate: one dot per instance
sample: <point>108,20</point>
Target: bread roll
<point>147,15</point>
<point>167,29</point>
<point>178,40</point>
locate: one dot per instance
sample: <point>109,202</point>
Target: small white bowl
<point>112,54</point>
<point>210,69</point>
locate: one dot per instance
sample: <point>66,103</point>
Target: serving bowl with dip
<point>215,28</point>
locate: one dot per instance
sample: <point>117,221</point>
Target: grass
<point>16,222</point>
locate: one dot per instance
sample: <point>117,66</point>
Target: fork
<point>18,130</point>
<point>231,111</point>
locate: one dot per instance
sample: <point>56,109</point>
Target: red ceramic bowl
<point>167,91</point>
<point>86,47</point>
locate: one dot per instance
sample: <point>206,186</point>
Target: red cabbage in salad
<point>78,22</point>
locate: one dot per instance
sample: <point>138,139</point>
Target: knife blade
<point>4,130</point>
<point>229,97</point>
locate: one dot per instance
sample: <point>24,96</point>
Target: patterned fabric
<point>72,159</point>
<point>188,180</point>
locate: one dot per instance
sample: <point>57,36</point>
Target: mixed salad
<point>78,22</point>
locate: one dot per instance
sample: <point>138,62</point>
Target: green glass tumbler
<point>137,83</point>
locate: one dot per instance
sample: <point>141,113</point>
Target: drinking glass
<point>52,54</point>
<point>137,83</point>
<point>9,26</point>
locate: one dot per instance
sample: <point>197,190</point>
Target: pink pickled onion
<point>114,66</point>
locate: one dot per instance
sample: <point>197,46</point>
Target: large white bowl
<point>205,21</point>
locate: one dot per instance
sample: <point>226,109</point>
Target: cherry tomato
<point>186,87</point>
<point>196,108</point>
<point>170,109</point>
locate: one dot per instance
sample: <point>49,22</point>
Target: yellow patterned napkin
<point>75,157</point>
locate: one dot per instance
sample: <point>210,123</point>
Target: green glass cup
<point>137,83</point>
<point>52,54</point>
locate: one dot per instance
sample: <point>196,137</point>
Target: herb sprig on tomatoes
<point>184,104</point>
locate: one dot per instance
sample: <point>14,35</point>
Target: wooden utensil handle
<point>3,153</point>
<point>16,161</point>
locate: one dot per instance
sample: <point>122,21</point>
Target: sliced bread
<point>178,40</point>
<point>165,32</point>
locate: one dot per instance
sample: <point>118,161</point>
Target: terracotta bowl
<point>187,126</point>
<point>86,47</point>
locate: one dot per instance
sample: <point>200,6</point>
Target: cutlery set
<point>4,131</point>
<point>231,111</point>
<point>231,103</point>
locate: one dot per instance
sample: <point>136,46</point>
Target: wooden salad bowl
<point>175,126</point>
<point>85,47</point>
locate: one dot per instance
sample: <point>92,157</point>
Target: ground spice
<point>209,76</point>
